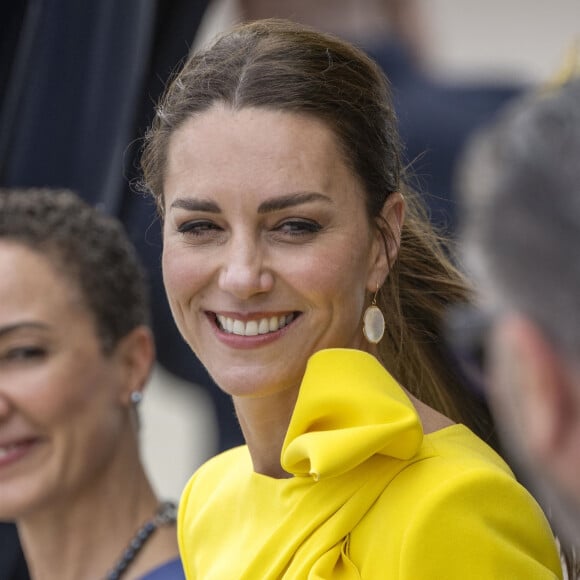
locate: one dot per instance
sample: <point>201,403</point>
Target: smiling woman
<point>75,354</point>
<point>275,161</point>
<point>264,249</point>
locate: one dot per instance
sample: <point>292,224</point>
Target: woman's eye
<point>298,227</point>
<point>23,353</point>
<point>198,228</point>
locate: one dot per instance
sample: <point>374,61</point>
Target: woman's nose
<point>243,273</point>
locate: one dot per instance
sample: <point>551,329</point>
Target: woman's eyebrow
<point>270,205</point>
<point>291,200</point>
<point>25,324</point>
<point>196,204</point>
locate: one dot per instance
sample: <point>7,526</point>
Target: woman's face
<point>268,251</point>
<point>60,411</point>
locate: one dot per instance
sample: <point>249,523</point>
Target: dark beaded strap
<point>166,514</point>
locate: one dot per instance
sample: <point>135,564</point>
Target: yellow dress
<point>371,497</point>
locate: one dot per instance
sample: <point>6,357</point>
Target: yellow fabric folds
<point>371,496</point>
<point>333,430</point>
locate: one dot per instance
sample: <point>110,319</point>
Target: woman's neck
<point>82,535</point>
<point>264,422</point>
<point>431,419</point>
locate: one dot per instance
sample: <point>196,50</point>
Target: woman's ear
<point>528,387</point>
<point>534,396</point>
<point>389,225</point>
<point>135,354</point>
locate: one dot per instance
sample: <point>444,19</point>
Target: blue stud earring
<point>136,397</point>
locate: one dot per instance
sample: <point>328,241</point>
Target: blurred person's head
<point>75,347</point>
<point>520,232</point>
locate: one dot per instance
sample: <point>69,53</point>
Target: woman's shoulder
<point>453,458</point>
<point>223,469</point>
<point>458,506</point>
<point>459,446</point>
<point>455,465</point>
<point>171,570</point>
<point>236,459</point>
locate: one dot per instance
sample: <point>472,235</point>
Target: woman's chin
<point>253,382</point>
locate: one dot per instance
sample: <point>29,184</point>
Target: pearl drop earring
<point>373,321</point>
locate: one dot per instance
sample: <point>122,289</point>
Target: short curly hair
<point>89,247</point>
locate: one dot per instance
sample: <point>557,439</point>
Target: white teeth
<point>251,328</point>
<point>7,449</point>
<point>239,328</point>
<point>254,327</point>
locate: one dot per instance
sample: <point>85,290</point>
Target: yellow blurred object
<point>570,68</point>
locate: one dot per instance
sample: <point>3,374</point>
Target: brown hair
<point>284,66</point>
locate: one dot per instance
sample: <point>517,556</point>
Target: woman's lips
<point>251,330</point>
<point>254,326</point>
<point>14,450</point>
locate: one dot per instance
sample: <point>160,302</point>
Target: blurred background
<point>78,81</point>
<point>464,40</point>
